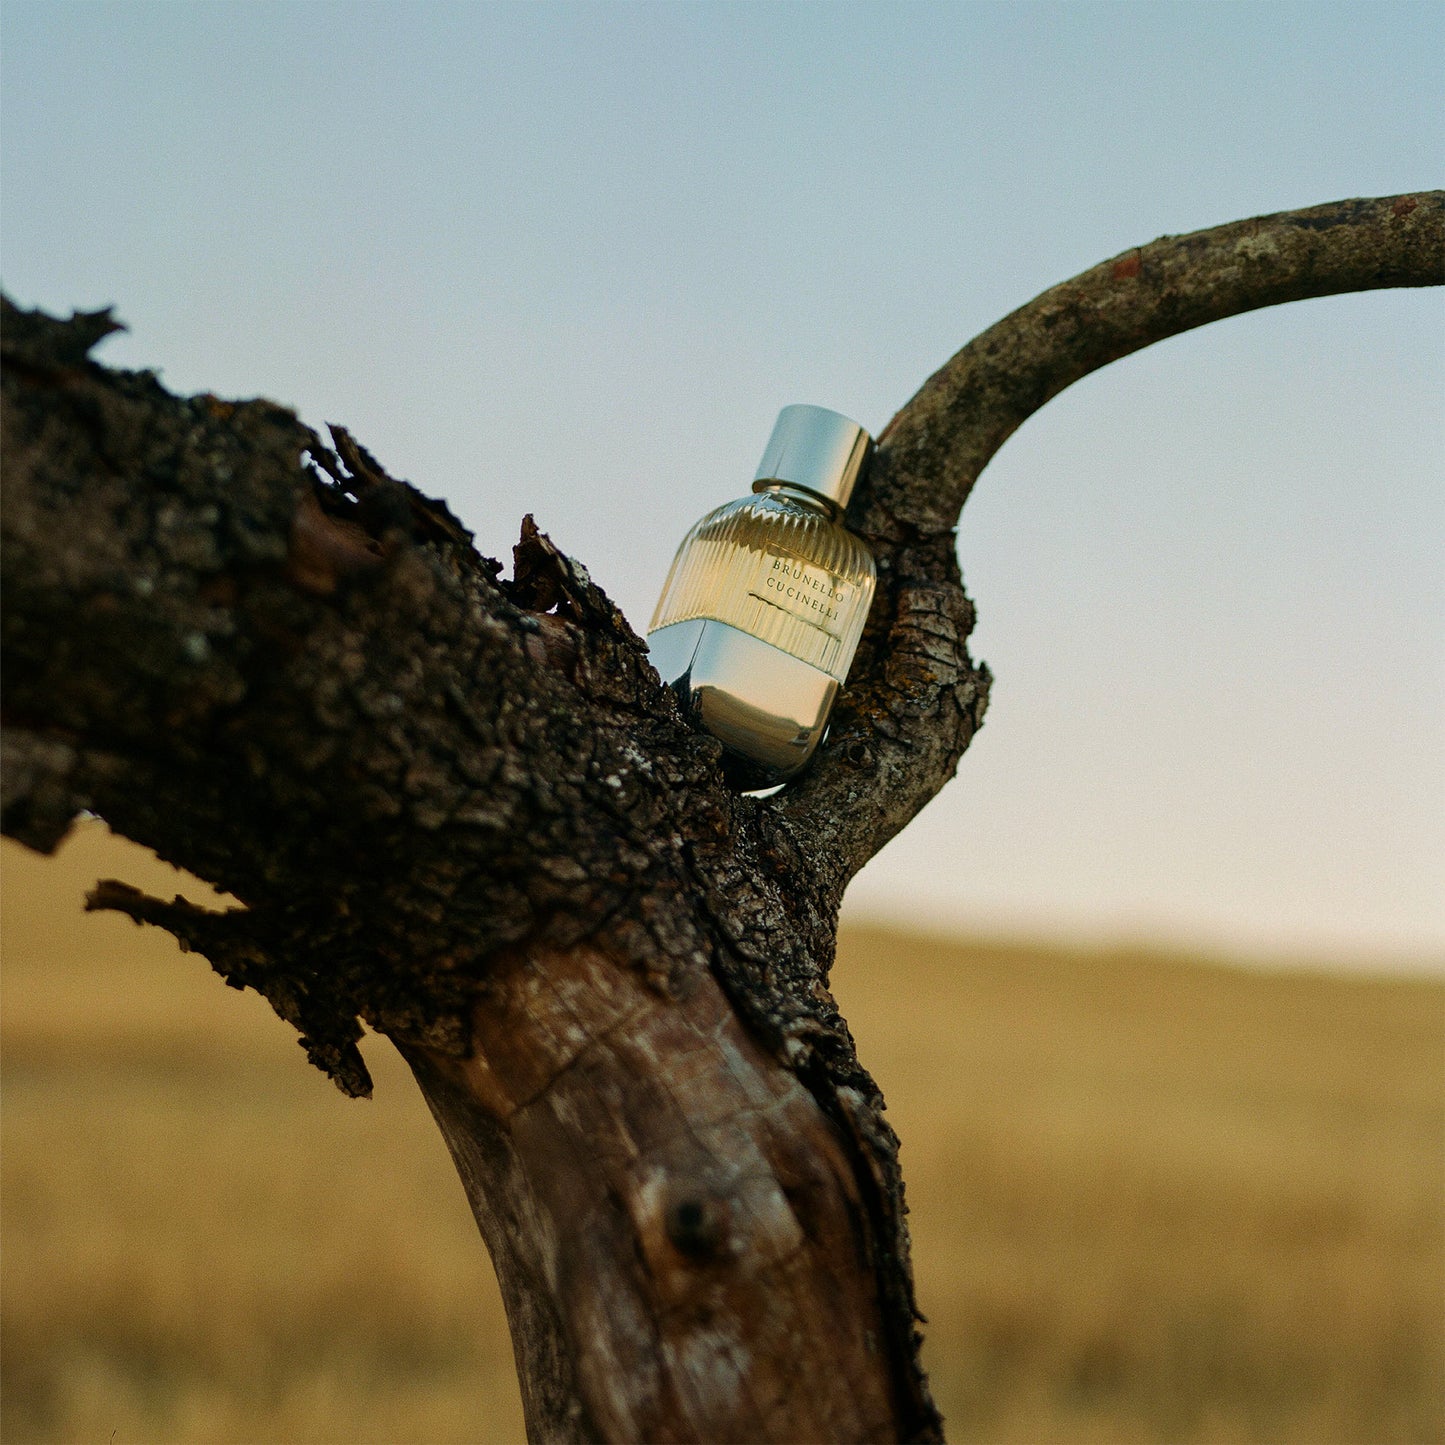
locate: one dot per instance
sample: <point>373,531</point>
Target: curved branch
<point>938,444</point>
<point>916,698</point>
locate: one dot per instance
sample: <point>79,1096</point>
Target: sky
<point>572,259</point>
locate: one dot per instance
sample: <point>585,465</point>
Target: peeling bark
<point>460,808</point>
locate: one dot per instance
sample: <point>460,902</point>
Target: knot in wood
<point>697,1226</point>
<point>685,1228</point>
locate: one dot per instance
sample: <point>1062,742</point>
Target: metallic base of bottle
<point>768,709</point>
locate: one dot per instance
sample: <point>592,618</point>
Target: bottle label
<point>802,590</point>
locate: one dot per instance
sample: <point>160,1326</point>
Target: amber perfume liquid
<point>762,610</point>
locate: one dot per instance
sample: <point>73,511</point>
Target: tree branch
<point>460,808</point>
<point>915,697</point>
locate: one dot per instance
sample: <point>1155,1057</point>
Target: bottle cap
<point>816,449</point>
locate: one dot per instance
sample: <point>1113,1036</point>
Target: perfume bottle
<point>763,608</point>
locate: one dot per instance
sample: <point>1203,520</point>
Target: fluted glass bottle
<point>766,600</point>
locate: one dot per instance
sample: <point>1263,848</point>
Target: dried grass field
<point>1154,1199</point>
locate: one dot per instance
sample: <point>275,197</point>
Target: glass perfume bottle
<point>763,608</point>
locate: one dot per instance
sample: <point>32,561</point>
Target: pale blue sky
<point>572,259</point>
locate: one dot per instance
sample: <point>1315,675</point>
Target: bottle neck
<point>803,497</point>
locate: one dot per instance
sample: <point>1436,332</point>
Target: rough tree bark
<point>459,807</point>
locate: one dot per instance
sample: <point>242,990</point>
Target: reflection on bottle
<point>766,600</point>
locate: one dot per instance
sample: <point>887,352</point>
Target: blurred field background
<point>1154,1198</point>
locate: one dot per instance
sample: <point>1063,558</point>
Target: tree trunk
<point>701,1275</point>
<point>461,808</point>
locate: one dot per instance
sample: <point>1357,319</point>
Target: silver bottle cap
<point>816,449</point>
